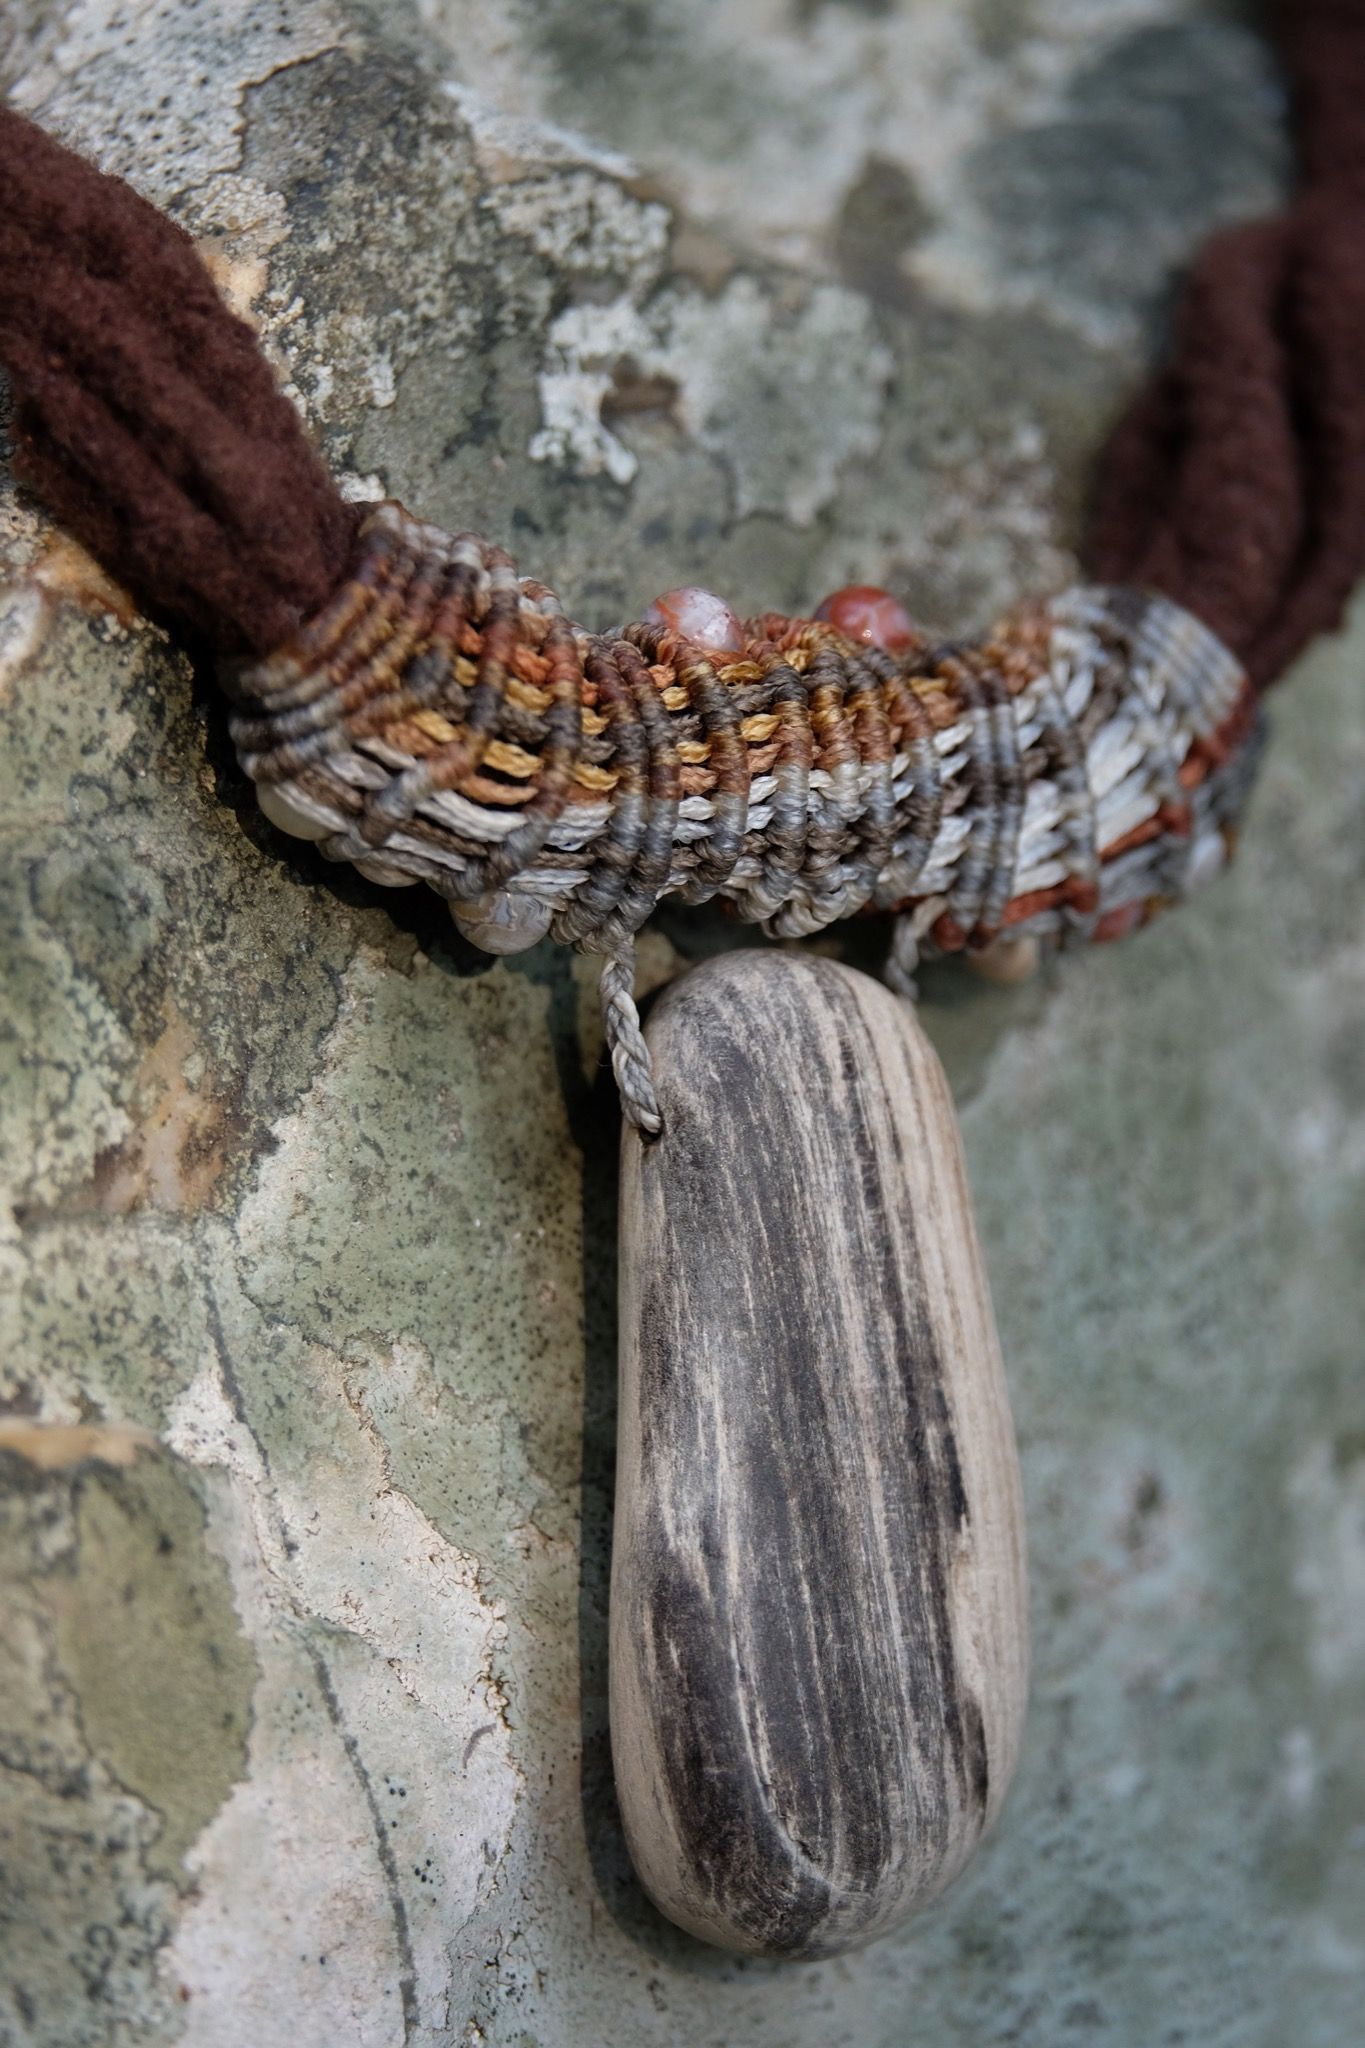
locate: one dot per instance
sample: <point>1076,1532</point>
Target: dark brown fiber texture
<point>1236,482</point>
<point>149,421</point>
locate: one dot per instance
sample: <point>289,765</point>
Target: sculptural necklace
<point>818,1608</point>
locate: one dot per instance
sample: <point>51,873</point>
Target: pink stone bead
<point>862,612</point>
<point>698,617</point>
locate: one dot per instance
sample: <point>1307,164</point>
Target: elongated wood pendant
<point>819,1643</point>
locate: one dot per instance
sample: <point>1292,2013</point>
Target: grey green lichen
<point>145,1631</point>
<point>124,1704</point>
<point>292,1189</point>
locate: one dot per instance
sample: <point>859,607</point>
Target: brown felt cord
<point>149,420</point>
<point>1236,483</point>
<point>151,424</point>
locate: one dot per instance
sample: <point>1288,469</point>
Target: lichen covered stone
<point>296,1185</point>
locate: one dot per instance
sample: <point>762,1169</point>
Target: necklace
<point>801,768</point>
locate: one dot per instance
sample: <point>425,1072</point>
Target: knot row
<point>442,720</point>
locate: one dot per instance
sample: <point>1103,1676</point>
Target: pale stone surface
<point>292,1187</point>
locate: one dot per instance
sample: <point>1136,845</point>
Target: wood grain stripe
<point>819,1624</point>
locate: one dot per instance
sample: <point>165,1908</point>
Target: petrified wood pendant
<point>819,1639</point>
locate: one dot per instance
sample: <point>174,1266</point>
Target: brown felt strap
<point>149,419</point>
<point>1236,483</point>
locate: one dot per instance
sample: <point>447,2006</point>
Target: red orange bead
<point>862,612</point>
<point>698,617</point>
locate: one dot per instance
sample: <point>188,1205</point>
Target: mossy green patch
<point>149,1639</point>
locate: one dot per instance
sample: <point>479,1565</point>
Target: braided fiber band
<point>440,720</point>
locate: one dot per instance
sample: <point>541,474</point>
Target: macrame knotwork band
<point>440,720</point>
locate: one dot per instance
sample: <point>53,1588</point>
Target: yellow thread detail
<point>510,760</point>
<point>435,727</point>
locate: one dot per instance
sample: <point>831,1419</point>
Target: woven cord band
<point>441,721</point>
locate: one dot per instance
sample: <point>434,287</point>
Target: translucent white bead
<point>294,814</point>
<point>1208,856</point>
<point>698,617</point>
<point>503,922</point>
